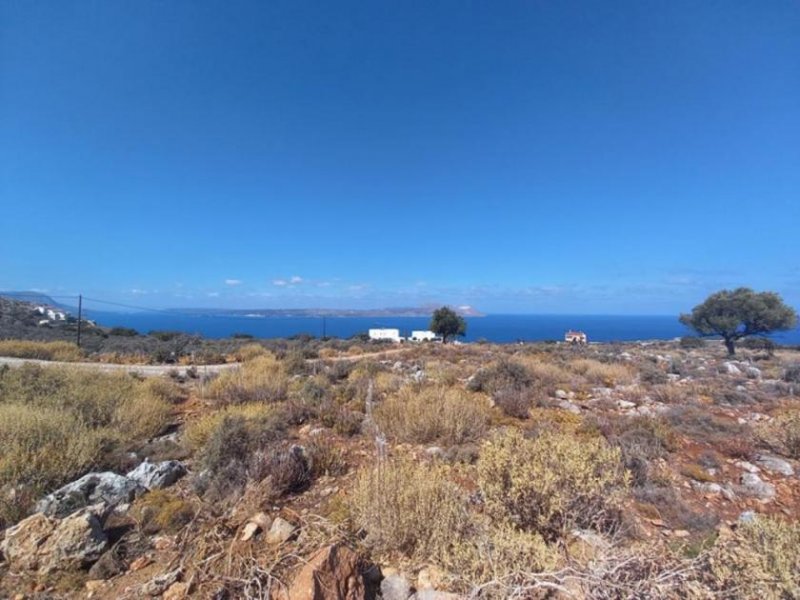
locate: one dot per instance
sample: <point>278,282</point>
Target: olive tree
<point>446,323</point>
<point>735,314</point>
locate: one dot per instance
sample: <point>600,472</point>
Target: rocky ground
<point>705,443</point>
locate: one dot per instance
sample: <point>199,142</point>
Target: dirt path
<point>158,370</point>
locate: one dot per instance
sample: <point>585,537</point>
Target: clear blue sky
<point>584,157</point>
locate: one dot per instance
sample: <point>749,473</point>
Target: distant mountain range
<point>406,311</point>
<point>37,298</point>
<point>415,311</point>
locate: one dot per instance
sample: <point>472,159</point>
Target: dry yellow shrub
<point>163,389</point>
<point>40,448</point>
<point>261,378</point>
<point>55,421</point>
<point>544,372</point>
<point>249,352</point>
<point>783,432</point>
<point>59,350</point>
<point>408,507</point>
<point>328,353</point>
<point>551,483</point>
<point>198,431</point>
<point>609,374</point>
<point>416,509</point>
<point>759,559</point>
<point>433,414</point>
<point>495,553</point>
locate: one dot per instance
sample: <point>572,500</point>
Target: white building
<point>54,315</point>
<point>575,337</point>
<point>392,335</point>
<point>422,335</point>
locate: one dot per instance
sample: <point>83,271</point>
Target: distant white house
<point>575,337</point>
<point>52,315</point>
<point>422,335</point>
<point>392,335</point>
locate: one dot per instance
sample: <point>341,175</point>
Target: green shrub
<point>759,559</point>
<point>325,458</point>
<point>160,511</point>
<point>551,483</point>
<point>123,332</point>
<point>759,343</point>
<point>689,342</point>
<point>640,440</point>
<point>505,374</point>
<point>791,373</point>
<point>258,417</point>
<point>514,403</point>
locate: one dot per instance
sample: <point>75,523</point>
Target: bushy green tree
<point>735,314</point>
<point>446,323</point>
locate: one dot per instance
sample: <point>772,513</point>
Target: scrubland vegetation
<point>611,471</point>
<point>58,423</point>
<point>57,350</point>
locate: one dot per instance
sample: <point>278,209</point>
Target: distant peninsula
<point>418,311</point>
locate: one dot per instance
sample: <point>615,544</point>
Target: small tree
<point>739,313</point>
<point>446,323</point>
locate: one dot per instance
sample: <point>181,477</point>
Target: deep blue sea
<point>494,328</point>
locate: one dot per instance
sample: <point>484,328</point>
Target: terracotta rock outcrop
<point>333,573</point>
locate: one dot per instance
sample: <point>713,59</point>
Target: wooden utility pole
<point>80,311</point>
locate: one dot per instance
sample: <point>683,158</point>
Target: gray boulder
<point>77,542</point>
<point>731,368</point>
<point>435,595</point>
<point>754,486</point>
<point>775,464</point>
<point>108,489</point>
<point>155,476</point>
<point>753,372</point>
<point>44,544</point>
<point>395,587</point>
<point>280,532</point>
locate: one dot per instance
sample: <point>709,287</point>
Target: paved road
<point>156,370</point>
<point>147,370</point>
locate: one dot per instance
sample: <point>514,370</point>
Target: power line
<point>133,306</point>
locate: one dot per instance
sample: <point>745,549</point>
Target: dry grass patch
<point>129,408</point>
<point>260,379</point>
<point>59,350</point>
<point>608,374</point>
<point>57,423</point>
<point>549,374</point>
<point>249,352</point>
<point>433,414</point>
